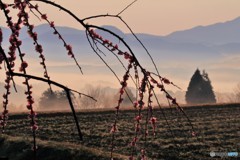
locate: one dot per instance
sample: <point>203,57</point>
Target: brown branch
<point>106,62</point>
<point>39,78</point>
<point>119,60</point>
<point>63,9</point>
<point>60,36</point>
<point>126,7</point>
<point>67,90</point>
<point>74,113</point>
<point>134,60</point>
<point>87,26</point>
<point>90,26</point>
<point>99,16</point>
<point>135,36</point>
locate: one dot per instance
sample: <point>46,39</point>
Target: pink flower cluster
<point>147,83</point>
<point>153,121</point>
<point>139,104</point>
<point>15,44</point>
<point>68,47</point>
<point>161,87</point>
<point>114,128</point>
<point>33,35</point>
<point>4,115</point>
<point>23,66</point>
<point>120,100</point>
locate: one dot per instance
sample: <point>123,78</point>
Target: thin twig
<point>98,16</point>
<point>95,51</point>
<point>126,7</point>
<point>39,78</point>
<point>118,60</point>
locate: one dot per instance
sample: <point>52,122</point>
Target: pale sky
<point>159,17</point>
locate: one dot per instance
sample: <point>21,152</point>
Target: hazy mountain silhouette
<point>197,43</point>
<point>202,46</point>
<point>215,34</point>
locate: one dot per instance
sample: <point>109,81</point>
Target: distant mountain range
<point>198,42</point>
<point>215,34</point>
<point>179,53</point>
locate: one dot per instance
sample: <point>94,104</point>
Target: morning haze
<point>177,54</point>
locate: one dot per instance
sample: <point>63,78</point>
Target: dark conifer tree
<point>209,96</point>
<point>200,89</point>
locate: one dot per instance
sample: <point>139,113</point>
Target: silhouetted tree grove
<point>105,96</point>
<point>100,93</point>
<point>237,93</point>
<point>200,89</point>
<point>54,100</point>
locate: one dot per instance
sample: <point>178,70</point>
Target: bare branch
<point>74,113</point>
<point>146,83</point>
<point>126,7</point>
<point>40,78</point>
<point>99,16</point>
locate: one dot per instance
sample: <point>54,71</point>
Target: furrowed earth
<point>217,129</point>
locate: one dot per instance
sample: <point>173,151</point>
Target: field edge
<point>19,148</point>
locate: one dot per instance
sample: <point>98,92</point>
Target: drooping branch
<point>87,26</point>
<point>67,90</point>
<point>15,44</point>
<point>129,28</point>
<point>68,47</point>
<point>39,78</point>
<point>147,83</point>
<point>74,113</point>
<point>62,9</point>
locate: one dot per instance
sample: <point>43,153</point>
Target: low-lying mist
<point>106,97</point>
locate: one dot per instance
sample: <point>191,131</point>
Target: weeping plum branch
<point>147,87</point>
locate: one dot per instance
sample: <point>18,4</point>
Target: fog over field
<point>214,48</point>
<point>119,79</point>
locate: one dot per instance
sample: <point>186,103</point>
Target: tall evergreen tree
<point>209,96</point>
<point>200,89</point>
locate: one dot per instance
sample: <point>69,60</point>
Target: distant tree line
<point>237,93</point>
<point>105,96</point>
<point>54,100</point>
